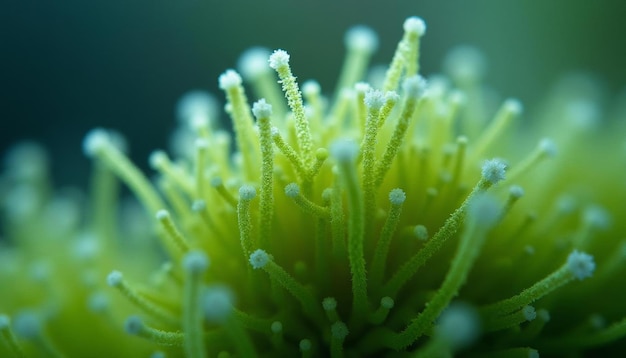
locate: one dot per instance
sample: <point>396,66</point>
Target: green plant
<point>372,223</point>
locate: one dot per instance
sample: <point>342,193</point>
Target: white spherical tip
<point>98,302</point>
<point>516,191</point>
<point>529,313</point>
<point>261,109</point>
<point>513,106</point>
<point>305,345</point>
<point>5,322</point>
<point>361,38</point>
<point>279,58</point>
<point>597,217</point>
<point>494,170</point>
<point>247,192</point>
<point>339,330</point>
<point>374,99</point>
<point>484,210</point>
<point>158,354</point>
<point>387,302</point>
<point>459,324</point>
<point>229,79</point>
<point>276,327</point>
<point>344,151</point>
<point>95,140</point>
<point>133,325</point>
<point>329,303</point>
<point>196,104</point>
<point>217,304</point>
<point>157,159</point>
<point>580,264</point>
<point>115,278</point>
<point>311,88</point>
<point>253,62</point>
<point>195,261</point>
<point>198,205</point>
<point>162,214</point>
<point>465,63</point>
<point>421,232</point>
<point>292,190</point>
<point>547,146</point>
<point>259,259</point>
<point>415,25</point>
<point>27,324</point>
<point>414,86</point>
<point>397,196</point>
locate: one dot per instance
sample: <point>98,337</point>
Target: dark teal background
<point>67,66</point>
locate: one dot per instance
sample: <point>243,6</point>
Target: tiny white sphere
<point>513,106</point>
<point>387,302</point>
<point>311,88</point>
<point>344,151</point>
<point>484,210</point>
<point>361,38</point>
<point>339,330</point>
<point>276,327</point>
<point>547,146</point>
<point>529,313</point>
<point>261,109</point>
<point>305,345</point>
<point>98,302</point>
<point>374,99</point>
<point>195,262</point>
<point>465,63</point>
<point>459,324</point>
<point>253,62</point>
<point>421,232</point>
<point>27,324</point>
<point>229,79</point>
<point>329,303</point>
<point>247,192</point>
<point>196,104</point>
<point>5,322</point>
<point>198,205</point>
<point>397,196</point>
<point>597,217</point>
<point>494,170</point>
<point>516,191</point>
<point>414,86</point>
<point>95,141</point>
<point>162,214</point>
<point>217,304</point>
<point>279,58</point>
<point>115,278</point>
<point>157,159</point>
<point>581,265</point>
<point>133,325</point>
<point>415,25</point>
<point>259,259</point>
<point>292,190</point>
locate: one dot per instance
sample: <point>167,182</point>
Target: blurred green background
<point>69,65</point>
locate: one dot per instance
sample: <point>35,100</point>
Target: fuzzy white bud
<point>259,259</point>
<point>253,62</point>
<point>493,170</point>
<point>261,109</point>
<point>195,262</point>
<point>414,25</point>
<point>115,278</point>
<point>361,38</point>
<point>247,192</point>
<point>397,196</point>
<point>292,190</point>
<point>279,58</point>
<point>581,265</point>
<point>229,79</point>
